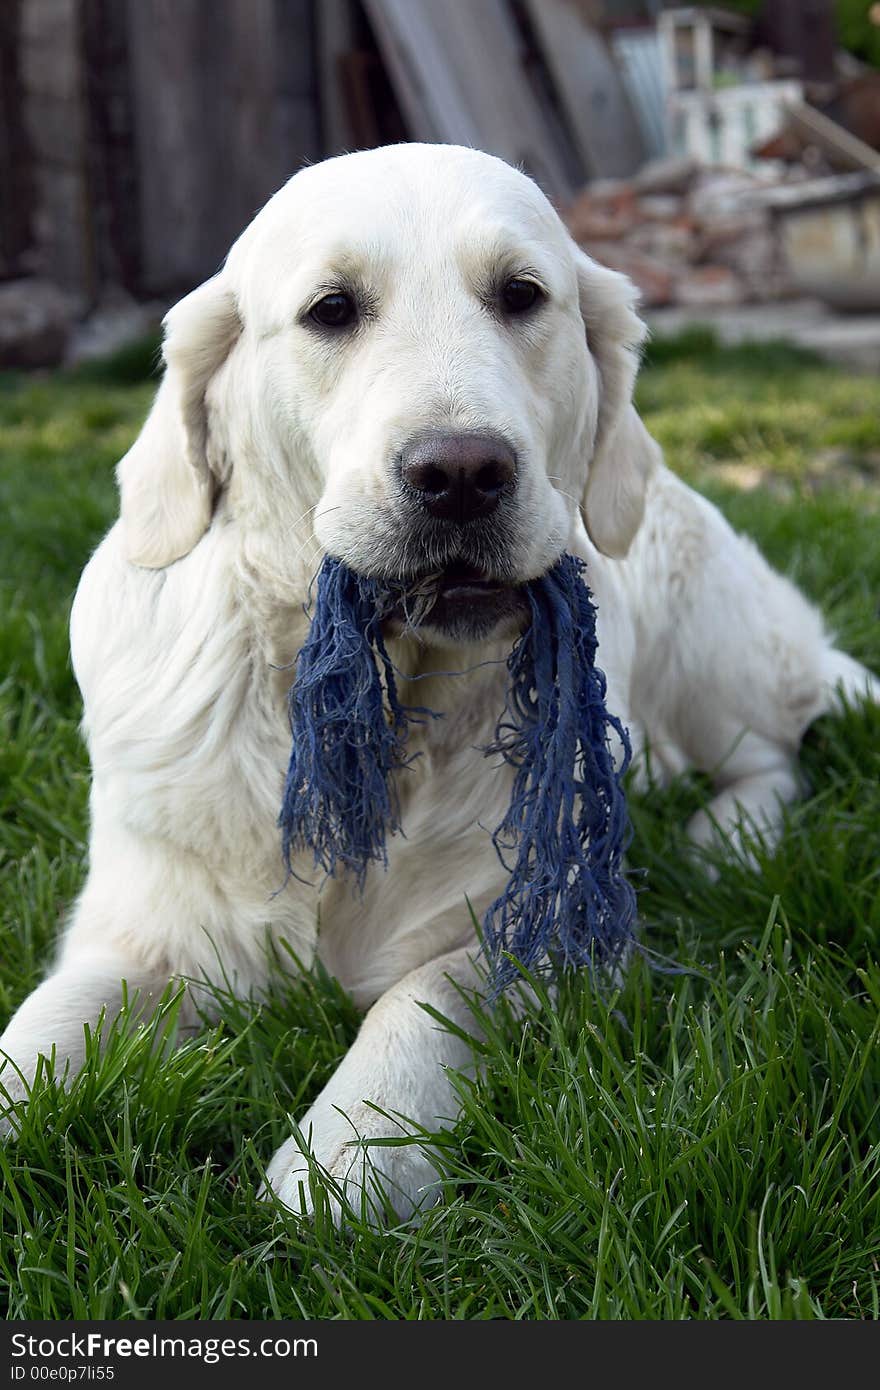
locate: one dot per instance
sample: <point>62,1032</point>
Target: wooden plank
<point>804,30</point>
<point>335,39</point>
<point>223,95</point>
<point>458,76</point>
<point>112,167</point>
<point>846,151</point>
<point>591,90</point>
<point>296,126</point>
<point>356,75</point>
<point>54,116</point>
<point>16,172</point>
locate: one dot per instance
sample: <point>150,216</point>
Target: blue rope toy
<point>568,901</point>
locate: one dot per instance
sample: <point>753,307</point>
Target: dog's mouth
<point>460,601</point>
<point>459,582</point>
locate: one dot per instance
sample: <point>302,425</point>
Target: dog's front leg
<point>52,1019</point>
<point>395,1072</point>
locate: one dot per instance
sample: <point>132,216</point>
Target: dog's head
<point>405,362</point>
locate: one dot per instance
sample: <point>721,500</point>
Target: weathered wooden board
<point>335,40</point>
<point>591,90</point>
<point>224,99</point>
<point>843,149</point>
<point>458,75</point>
<point>16,192</point>
<point>55,144</point>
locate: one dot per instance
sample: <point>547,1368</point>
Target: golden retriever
<point>407,363</point>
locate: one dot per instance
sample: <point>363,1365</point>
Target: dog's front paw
<point>336,1161</point>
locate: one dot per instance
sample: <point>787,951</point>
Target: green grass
<point>702,1144</point>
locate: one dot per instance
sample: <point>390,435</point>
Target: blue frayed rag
<point>568,902</point>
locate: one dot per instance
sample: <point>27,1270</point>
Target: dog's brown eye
<point>334,311</point>
<point>519,295</point>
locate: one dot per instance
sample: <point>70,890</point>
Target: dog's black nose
<point>458,477</point>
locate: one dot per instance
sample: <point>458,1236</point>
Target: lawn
<point>704,1144</point>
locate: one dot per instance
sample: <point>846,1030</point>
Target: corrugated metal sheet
<point>641,66</point>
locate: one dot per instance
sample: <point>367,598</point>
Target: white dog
<point>407,363</point>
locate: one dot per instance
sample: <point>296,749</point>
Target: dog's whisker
<point>314,513</point>
<point>309,541</point>
<point>554,477</point>
<point>309,511</point>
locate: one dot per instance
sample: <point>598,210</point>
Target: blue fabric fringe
<point>349,735</point>
<point>568,898</point>
<point>568,901</point>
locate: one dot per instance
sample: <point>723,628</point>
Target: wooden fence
<point>138,137</point>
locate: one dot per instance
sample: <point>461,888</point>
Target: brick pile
<point>684,234</point>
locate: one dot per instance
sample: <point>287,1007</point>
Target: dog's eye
<point>518,296</point>
<point>334,311</point>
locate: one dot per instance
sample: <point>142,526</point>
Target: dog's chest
<point>190,741</point>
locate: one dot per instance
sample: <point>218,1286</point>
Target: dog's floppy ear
<point>165,481</point>
<point>624,454</point>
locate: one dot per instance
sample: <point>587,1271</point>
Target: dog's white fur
<point>270,444</point>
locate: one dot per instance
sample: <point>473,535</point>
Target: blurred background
<point>725,158</point>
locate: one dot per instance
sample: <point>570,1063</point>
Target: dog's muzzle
<point>455,488</point>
